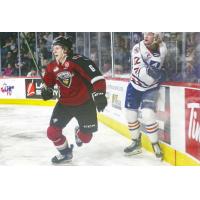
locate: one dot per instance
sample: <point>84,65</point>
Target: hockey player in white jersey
<point>142,91</point>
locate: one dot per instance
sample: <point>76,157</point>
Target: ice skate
<point>78,141</point>
<point>157,151</point>
<point>134,148</point>
<point>63,158</point>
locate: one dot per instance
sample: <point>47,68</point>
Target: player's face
<point>148,38</point>
<point>58,52</point>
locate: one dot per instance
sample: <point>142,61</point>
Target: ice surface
<point>23,141</point>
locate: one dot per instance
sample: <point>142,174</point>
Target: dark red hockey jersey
<point>76,78</point>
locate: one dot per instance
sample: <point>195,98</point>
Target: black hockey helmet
<point>65,42</point>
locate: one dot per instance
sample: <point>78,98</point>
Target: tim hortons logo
<point>194,126</point>
<point>192,122</point>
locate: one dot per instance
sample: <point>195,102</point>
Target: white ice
<point>23,141</point>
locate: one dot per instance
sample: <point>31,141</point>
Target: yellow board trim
<point>185,160</point>
<point>36,102</point>
<point>170,155</point>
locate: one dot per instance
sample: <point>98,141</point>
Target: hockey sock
<point>134,129</point>
<point>152,131</point>
<point>59,140</point>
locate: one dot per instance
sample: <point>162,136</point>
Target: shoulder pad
<point>76,57</point>
<point>79,59</point>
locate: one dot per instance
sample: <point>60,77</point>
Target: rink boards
<point>177,113</point>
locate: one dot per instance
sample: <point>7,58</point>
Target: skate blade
<point>134,153</point>
<point>63,163</point>
<point>159,157</point>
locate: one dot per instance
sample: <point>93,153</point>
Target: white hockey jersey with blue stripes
<point>142,58</point>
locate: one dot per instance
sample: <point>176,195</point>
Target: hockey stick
<point>33,58</point>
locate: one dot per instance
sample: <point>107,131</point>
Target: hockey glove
<point>47,93</point>
<point>100,100</point>
<point>154,72</point>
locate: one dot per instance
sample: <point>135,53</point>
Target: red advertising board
<point>192,122</point>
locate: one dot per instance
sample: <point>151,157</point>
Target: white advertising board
<point>12,88</point>
<point>116,91</point>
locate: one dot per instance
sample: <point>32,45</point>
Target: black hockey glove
<point>154,72</point>
<point>47,93</point>
<point>100,100</point>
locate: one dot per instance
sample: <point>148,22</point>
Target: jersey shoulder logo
<point>65,78</point>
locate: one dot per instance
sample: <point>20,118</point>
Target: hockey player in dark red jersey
<point>82,89</point>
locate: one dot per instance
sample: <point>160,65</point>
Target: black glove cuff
<point>97,94</point>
